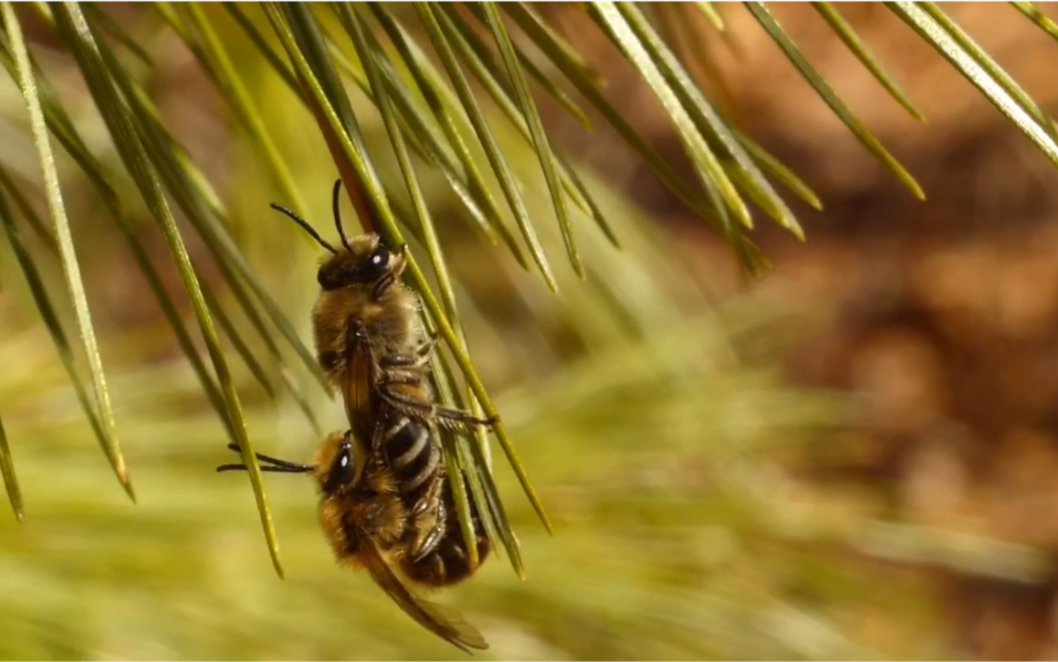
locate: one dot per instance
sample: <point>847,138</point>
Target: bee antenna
<point>273,464</point>
<point>305,225</point>
<point>338,212</point>
<point>282,469</point>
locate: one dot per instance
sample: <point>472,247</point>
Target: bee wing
<point>442,621</point>
<point>359,381</point>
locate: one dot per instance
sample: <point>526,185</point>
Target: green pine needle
<point>969,60</point>
<point>711,13</point>
<point>27,82</point>
<point>1033,13</point>
<point>101,80</point>
<point>845,32</point>
<point>446,111</point>
<point>793,53</point>
<point>586,83</point>
<point>1009,85</point>
<point>741,166</point>
<point>727,203</point>
<point>536,129</point>
<point>485,137</point>
<point>7,471</point>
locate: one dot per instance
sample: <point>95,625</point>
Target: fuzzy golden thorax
<point>362,296</point>
<point>389,324</point>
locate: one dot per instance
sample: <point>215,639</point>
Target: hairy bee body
<point>389,325</point>
<point>369,340</point>
<point>386,500</point>
<point>372,347</point>
<point>372,523</point>
<point>374,518</point>
<point>413,525</point>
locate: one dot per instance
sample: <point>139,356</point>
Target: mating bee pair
<point>385,498</point>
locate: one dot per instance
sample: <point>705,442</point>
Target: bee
<point>386,500</point>
<point>394,516</point>
<point>369,340</point>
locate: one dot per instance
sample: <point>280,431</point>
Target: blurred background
<point>855,456</point>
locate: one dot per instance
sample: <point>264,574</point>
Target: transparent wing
<point>445,622</point>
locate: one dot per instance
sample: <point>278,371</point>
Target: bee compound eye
<point>378,262</point>
<point>345,460</point>
<point>342,470</point>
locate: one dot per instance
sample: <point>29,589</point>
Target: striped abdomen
<point>413,455</point>
<point>449,563</point>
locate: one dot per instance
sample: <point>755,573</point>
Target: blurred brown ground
<point>941,313</point>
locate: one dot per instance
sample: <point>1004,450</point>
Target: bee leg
<point>429,543</point>
<point>411,406</point>
<point>399,376</point>
<point>423,409</point>
<point>439,516</point>
<point>416,360</point>
<point>379,437</point>
<point>429,411</point>
<point>457,418</point>
<point>431,497</point>
<point>382,285</point>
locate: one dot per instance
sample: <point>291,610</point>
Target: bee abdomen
<point>413,455</point>
<point>449,562</point>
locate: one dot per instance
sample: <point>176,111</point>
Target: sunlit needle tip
<point>123,478</point>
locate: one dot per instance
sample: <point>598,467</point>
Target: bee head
<point>363,261</point>
<point>337,463</point>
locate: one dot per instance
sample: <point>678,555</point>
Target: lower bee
<point>394,515</point>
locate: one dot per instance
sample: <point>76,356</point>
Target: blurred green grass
<point>658,430</point>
